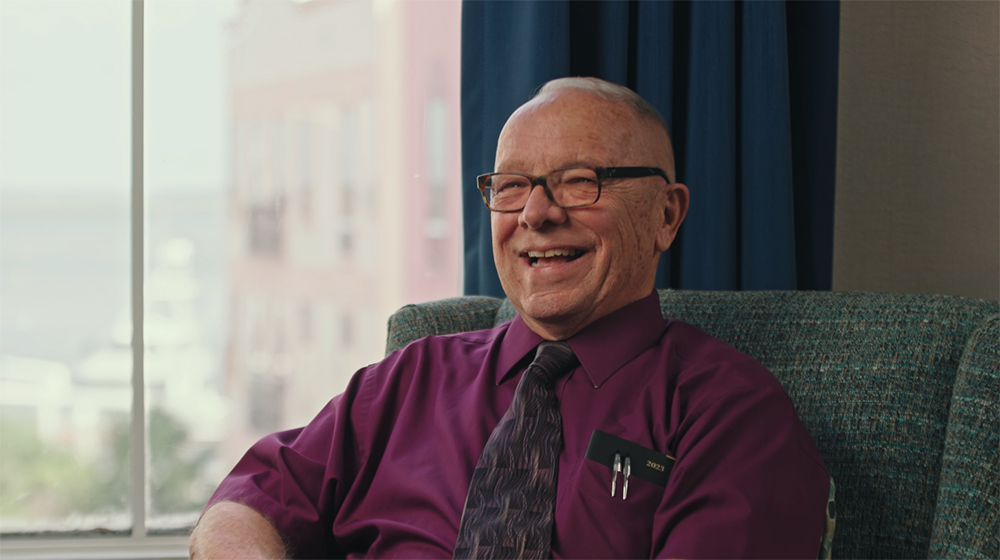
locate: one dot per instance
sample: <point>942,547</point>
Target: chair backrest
<point>970,467</point>
<point>873,378</point>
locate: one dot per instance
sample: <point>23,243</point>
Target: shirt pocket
<point>607,526</point>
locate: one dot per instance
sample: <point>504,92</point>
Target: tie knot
<point>554,360</point>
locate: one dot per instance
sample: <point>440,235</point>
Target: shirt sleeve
<point>748,481</point>
<point>298,478</point>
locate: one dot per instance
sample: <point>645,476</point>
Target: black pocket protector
<point>647,464</point>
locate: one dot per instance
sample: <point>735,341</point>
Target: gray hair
<point>609,92</point>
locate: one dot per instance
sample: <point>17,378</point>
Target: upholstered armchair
<point>901,394</point>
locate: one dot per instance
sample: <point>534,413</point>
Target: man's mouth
<point>553,256</point>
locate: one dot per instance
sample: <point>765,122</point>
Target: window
<point>436,152</point>
<point>280,225</point>
<point>64,266</point>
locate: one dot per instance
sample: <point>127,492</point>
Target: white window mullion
<point>137,444</point>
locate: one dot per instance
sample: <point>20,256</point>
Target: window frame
<point>139,541</point>
<point>136,543</point>
<point>56,546</point>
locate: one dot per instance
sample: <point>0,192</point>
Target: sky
<point>65,94</point>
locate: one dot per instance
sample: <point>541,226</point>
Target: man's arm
<point>747,469</point>
<point>229,530</point>
<point>289,482</point>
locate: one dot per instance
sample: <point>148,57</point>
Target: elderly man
<point>628,437</point>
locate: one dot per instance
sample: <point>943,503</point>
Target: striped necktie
<point>511,501</point>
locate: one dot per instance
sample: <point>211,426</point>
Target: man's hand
<point>229,530</point>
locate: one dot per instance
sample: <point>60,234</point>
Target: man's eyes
<point>511,184</point>
<point>580,180</point>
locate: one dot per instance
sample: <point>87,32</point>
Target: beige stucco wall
<point>918,162</point>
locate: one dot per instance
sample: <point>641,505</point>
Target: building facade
<point>345,200</point>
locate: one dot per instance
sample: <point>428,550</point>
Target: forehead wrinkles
<point>582,127</point>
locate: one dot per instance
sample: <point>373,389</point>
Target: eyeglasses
<point>569,187</point>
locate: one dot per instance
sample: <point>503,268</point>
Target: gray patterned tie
<point>511,502</point>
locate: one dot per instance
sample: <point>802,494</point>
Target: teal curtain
<point>748,90</point>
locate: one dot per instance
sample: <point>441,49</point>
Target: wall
<point>918,163</point>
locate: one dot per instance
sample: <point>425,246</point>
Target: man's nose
<point>540,208</point>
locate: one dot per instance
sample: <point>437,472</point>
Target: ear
<point>676,207</point>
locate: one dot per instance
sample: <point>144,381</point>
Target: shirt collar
<point>602,347</point>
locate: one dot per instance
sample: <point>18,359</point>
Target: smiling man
<point>564,268</point>
<point>587,427</point>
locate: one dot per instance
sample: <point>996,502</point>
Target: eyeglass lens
<point>569,187</point>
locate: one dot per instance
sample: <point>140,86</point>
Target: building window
<point>305,324</point>
<point>276,156</point>
<point>267,393</point>
<point>305,168</point>
<point>266,227</point>
<point>437,150</point>
<point>346,330</point>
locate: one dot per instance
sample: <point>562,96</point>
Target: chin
<point>550,309</point>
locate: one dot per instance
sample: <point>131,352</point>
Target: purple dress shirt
<point>383,470</point>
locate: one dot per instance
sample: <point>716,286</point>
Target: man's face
<point>606,254</point>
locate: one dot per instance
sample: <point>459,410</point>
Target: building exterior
<point>344,203</point>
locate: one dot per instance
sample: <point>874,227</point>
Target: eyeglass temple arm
<point>632,172</point>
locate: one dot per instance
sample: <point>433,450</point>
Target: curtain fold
<point>748,90</point>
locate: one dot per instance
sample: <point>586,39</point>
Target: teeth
<point>533,256</point>
<point>552,253</point>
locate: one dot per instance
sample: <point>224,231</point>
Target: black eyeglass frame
<point>603,173</point>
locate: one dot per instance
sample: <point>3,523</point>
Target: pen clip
<point>626,471</point>
<point>615,469</point>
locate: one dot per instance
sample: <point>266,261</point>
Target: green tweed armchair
<point>901,394</point>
